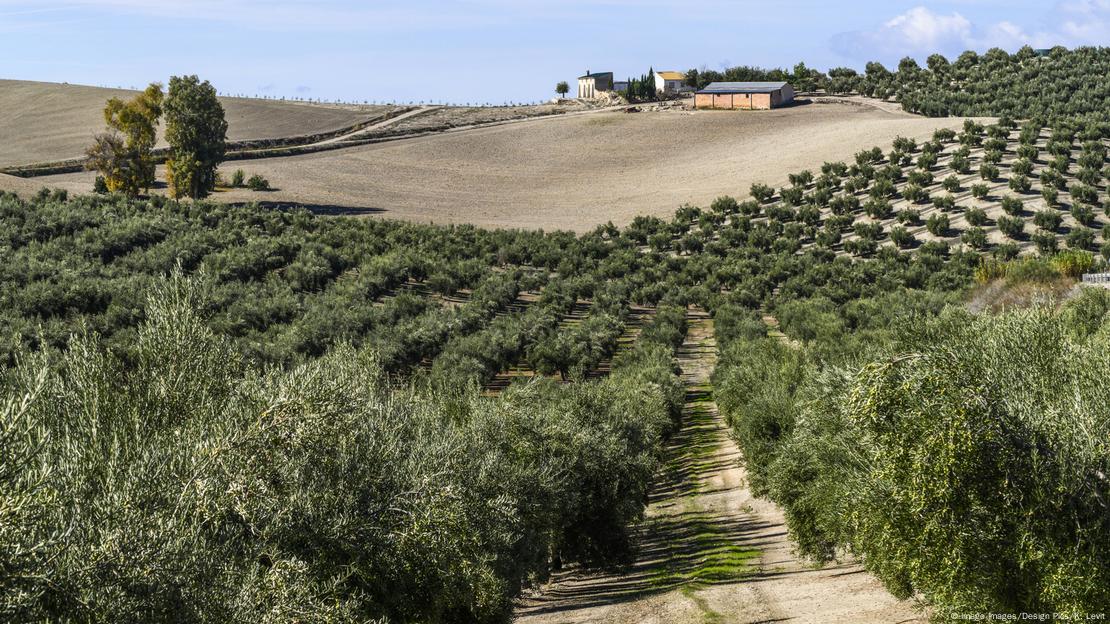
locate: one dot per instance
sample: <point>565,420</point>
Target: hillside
<point>571,172</point>
<point>45,121</point>
<point>997,188</point>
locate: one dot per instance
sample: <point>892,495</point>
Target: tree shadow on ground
<point>330,210</point>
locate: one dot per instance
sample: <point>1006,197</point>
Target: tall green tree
<point>124,155</point>
<point>196,130</point>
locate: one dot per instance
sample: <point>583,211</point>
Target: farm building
<point>590,85</point>
<point>670,82</point>
<point>744,95</point>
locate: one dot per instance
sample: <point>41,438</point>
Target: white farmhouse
<point>667,82</point>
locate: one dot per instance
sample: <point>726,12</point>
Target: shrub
<point>1085,194</point>
<point>1012,227</point>
<point>762,192</point>
<point>258,183</point>
<point>1012,205</point>
<point>979,191</point>
<point>909,216</point>
<point>862,247</point>
<point>1006,251</point>
<point>1081,238</point>
<point>901,237</point>
<point>944,135</point>
<point>988,171</point>
<point>975,237</point>
<point>882,189</point>
<point>1090,177</point>
<point>844,204</point>
<point>937,225</point>
<point>828,237</point>
<point>1083,214</point>
<point>238,178</point>
<point>936,249</point>
<point>952,184</point>
<point>976,216</point>
<point>750,208</point>
<point>920,178</point>
<point>1073,263</point>
<point>1020,184</point>
<point>100,186</point>
<point>869,230</point>
<point>944,202</point>
<point>1045,242</point>
<point>725,205</point>
<point>810,215</point>
<point>1050,195</point>
<point>1047,220</point>
<point>792,195</point>
<point>915,194</point>
<point>803,178</point>
<point>878,208</point>
<point>1021,166</point>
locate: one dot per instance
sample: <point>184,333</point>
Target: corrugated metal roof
<point>672,75</point>
<point>742,87</point>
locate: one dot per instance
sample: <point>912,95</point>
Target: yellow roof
<point>670,75</point>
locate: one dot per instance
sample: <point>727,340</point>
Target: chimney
<point>587,73</point>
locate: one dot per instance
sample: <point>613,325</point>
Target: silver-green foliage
<point>185,485</point>
<point>966,462</point>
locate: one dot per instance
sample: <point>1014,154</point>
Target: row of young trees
<point>196,131</point>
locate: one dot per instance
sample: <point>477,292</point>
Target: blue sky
<point>495,50</point>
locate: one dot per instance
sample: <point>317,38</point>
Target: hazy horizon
<point>494,50</point>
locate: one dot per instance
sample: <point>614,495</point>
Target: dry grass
<point>46,121</point>
<point>573,172</point>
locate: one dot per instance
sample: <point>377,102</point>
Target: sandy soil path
<point>375,127</point>
<point>710,552</point>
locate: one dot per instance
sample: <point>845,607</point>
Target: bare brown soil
<point>455,116</point>
<point>571,172</point>
<point>44,122</point>
<point>709,551</point>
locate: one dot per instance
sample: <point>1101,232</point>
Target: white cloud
<point>920,28</point>
<point>920,31</point>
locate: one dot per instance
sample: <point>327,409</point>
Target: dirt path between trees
<point>709,551</point>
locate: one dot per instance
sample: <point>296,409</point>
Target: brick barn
<point>744,95</point>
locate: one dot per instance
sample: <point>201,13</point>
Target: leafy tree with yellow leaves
<point>124,155</point>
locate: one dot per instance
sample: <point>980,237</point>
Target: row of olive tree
<point>185,484</point>
<point>962,457</point>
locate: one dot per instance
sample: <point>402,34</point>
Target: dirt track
<point>710,552</point>
<point>574,171</point>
